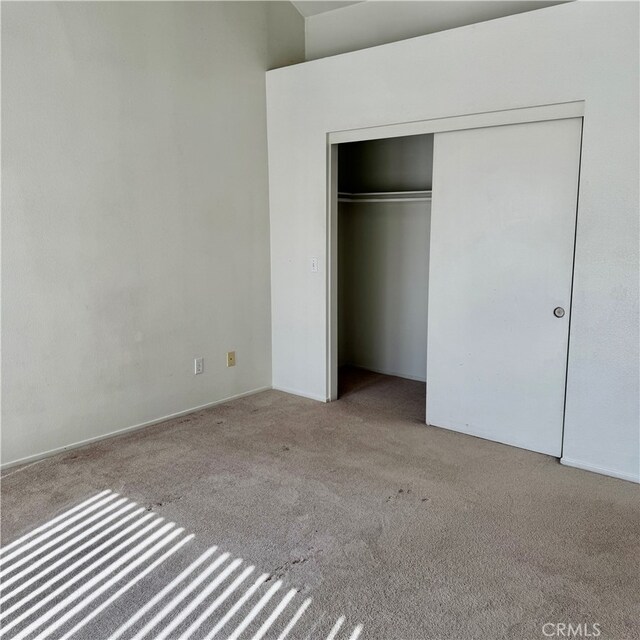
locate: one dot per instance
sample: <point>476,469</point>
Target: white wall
<point>387,164</point>
<point>578,51</point>
<point>367,24</point>
<point>135,212</point>
<point>285,33</point>
<point>383,286</point>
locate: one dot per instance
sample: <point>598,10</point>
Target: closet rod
<point>385,196</point>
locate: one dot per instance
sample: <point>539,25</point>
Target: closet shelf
<point>385,196</point>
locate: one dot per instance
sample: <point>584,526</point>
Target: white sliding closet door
<point>502,237</point>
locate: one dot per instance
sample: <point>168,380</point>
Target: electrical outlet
<point>315,265</point>
<point>231,359</point>
<point>198,366</point>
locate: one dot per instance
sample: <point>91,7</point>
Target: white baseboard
<point>135,427</point>
<point>302,394</point>
<point>601,470</point>
<point>386,372</point>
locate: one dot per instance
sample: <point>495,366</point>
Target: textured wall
<point>135,211</point>
<point>383,286</point>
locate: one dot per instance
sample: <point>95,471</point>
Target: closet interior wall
<point>383,255</point>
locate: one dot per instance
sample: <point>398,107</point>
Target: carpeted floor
<point>414,532</point>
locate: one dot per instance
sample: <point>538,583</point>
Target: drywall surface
<point>368,24</point>
<point>389,164</point>
<point>383,286</point>
<point>135,213</point>
<point>577,51</point>
<point>286,34</point>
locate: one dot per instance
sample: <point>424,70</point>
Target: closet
<point>469,290</point>
<point>384,208</point>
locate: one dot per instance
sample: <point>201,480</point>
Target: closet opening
<point>382,271</point>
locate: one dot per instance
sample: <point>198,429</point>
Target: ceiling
<point>311,7</point>
<point>308,8</point>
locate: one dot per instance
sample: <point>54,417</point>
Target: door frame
<point>557,111</point>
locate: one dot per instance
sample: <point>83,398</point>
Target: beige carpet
<point>415,532</point>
